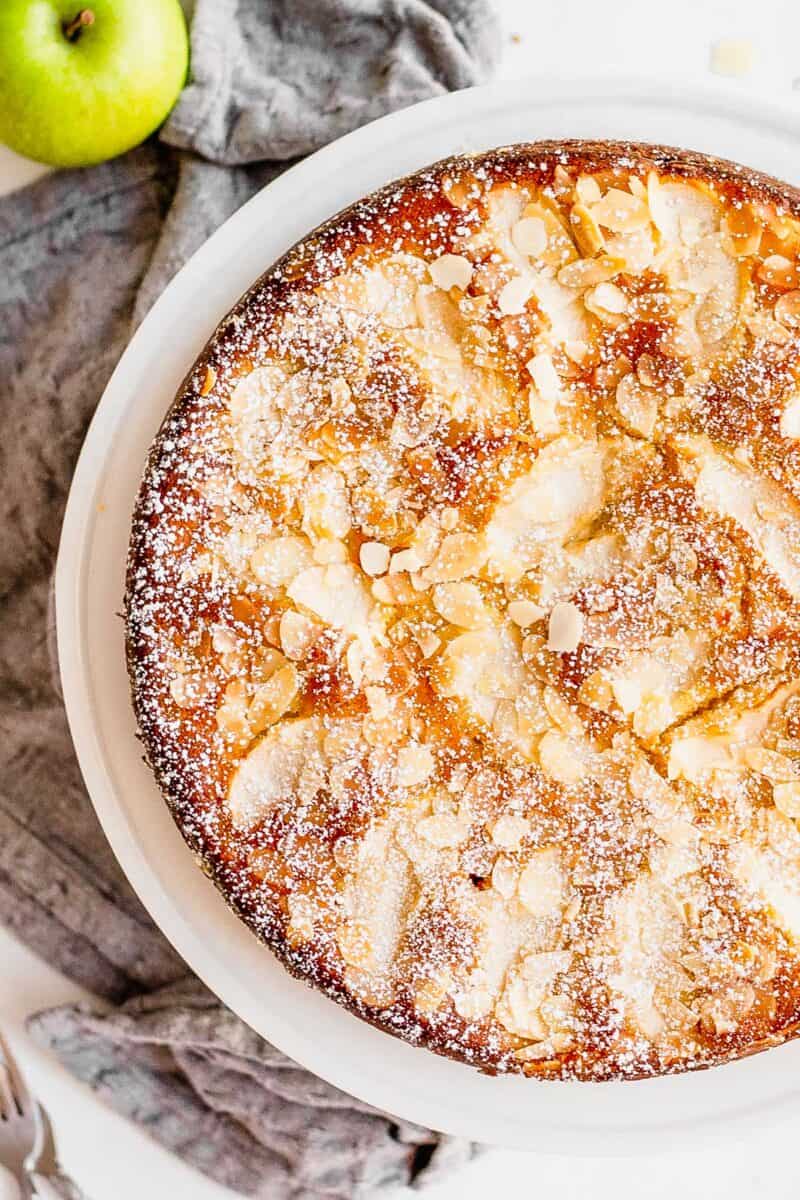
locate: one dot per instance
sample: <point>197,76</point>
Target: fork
<point>17,1120</point>
<point>27,1148</point>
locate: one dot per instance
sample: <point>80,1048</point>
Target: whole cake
<point>463,610</point>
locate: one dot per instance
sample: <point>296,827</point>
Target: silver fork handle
<point>10,1186</point>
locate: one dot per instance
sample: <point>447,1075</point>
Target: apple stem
<point>74,28</point>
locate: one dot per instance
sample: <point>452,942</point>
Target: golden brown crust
<point>174,614</point>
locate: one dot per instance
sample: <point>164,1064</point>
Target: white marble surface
<point>108,1156</point>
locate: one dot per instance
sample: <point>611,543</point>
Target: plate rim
<point>77,527</point>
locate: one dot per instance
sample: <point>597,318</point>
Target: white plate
<point>409,1082</point>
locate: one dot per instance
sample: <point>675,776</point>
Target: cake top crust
<point>463,610</point>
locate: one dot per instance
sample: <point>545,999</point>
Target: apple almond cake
<point>463,610</point>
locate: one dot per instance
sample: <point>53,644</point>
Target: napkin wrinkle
<point>84,255</point>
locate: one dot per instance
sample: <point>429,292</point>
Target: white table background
<point>108,1156</point>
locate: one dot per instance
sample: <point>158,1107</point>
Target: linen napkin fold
<point>82,256</point>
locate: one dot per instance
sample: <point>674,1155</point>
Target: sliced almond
<point>278,560</point>
<point>787,310</point>
<point>607,298</point>
<point>442,830</point>
<point>461,604</point>
<point>588,272</point>
<point>273,698</point>
<point>637,405</point>
<point>565,628</point>
<point>460,554</point>
<point>790,418</point>
<point>560,759</point>
<point>298,633</point>
<point>621,212</point>
<point>524,613</point>
<point>504,877</point>
<point>787,798</point>
<point>779,272</point>
<point>587,189</point>
<point>529,236</point>
<point>541,884</point>
<point>415,764</point>
<point>451,270</point>
<point>545,376</point>
<point>514,296</point>
<point>585,230</point>
<point>509,831</point>
<point>374,558</point>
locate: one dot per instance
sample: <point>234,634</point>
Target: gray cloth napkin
<point>82,256</point>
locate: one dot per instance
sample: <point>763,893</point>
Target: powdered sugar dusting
<point>463,610</point>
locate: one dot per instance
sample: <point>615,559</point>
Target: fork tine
<point>20,1094</point>
<point>7,1105</point>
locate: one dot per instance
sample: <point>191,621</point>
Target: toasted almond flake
<point>514,296</point>
<point>335,593</point>
<point>587,272</point>
<point>278,560</point>
<point>442,830</point>
<point>764,327</point>
<point>620,211</point>
<point>565,628</point>
<point>779,272</point>
<point>298,634</point>
<point>223,640</point>
<point>543,414</point>
<point>576,351</point>
<point>325,504</point>
<point>585,230</point>
<point>524,613</point>
<point>273,698</point>
<point>787,310</point>
<point>637,405</point>
<point>428,643</point>
<point>378,700</point>
<point>560,713</point>
<point>724,1012</point>
<point>609,298</point>
<point>790,418</point>
<point>415,765</point>
<point>529,236</point>
<point>774,766</point>
<point>461,604</point>
<point>451,270</point>
<point>209,380</point>
<point>541,884</point>
<point>587,189</point>
<point>787,799</point>
<point>545,376</point>
<point>354,660</point>
<point>374,558</point>
<point>460,554</point>
<point>505,722</point>
<point>509,831</point>
<point>560,759</point>
<point>504,877</point>
<point>330,550</point>
<point>430,996</point>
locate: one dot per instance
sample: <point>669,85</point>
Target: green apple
<point>82,84</point>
